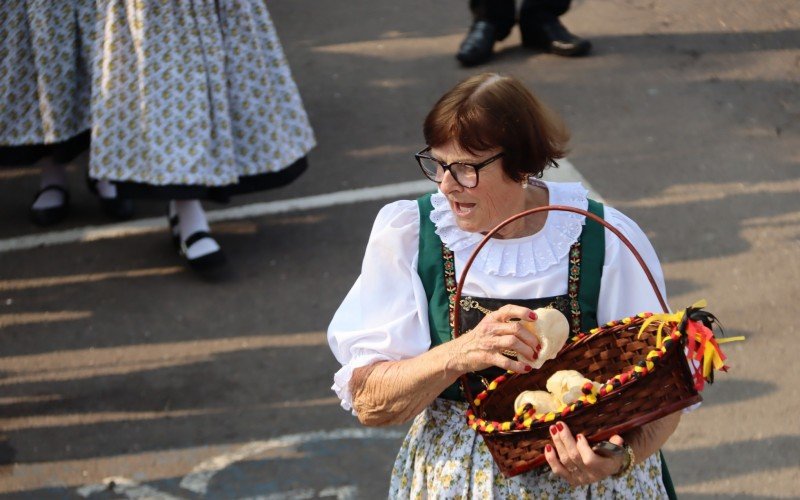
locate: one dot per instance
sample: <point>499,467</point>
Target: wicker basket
<point>599,356</point>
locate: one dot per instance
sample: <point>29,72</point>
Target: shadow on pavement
<point>735,458</point>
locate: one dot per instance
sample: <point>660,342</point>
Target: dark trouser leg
<point>551,8</point>
<point>501,13</point>
<point>536,12</point>
<point>541,28</point>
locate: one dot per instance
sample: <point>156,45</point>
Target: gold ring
<point>511,354</point>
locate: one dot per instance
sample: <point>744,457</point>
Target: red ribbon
<point>699,338</point>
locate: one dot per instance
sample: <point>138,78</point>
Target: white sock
<point>52,175</point>
<point>106,189</point>
<point>191,219</point>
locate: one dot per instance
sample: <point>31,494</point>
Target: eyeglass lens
<point>466,175</point>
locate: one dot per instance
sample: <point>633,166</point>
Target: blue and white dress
<point>193,100</point>
<point>45,93</point>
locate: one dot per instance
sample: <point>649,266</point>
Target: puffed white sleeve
<point>624,288</point>
<point>384,317</point>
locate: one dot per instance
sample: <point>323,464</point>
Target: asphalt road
<point>123,375</point>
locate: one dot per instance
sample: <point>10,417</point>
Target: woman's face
<point>495,198</point>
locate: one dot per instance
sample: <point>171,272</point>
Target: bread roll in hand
<point>552,330</point>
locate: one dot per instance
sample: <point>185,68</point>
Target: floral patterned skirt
<point>44,74</point>
<point>192,93</point>
<point>443,458</point>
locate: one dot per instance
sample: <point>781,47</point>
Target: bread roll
<point>561,381</point>
<point>567,385</point>
<point>542,401</point>
<point>552,330</point>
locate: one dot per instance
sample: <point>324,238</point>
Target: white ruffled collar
<point>525,256</point>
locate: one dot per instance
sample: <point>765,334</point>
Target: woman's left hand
<point>573,459</point>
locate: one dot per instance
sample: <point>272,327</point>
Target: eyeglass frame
<point>447,167</point>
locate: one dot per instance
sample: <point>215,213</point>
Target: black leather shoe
<point>51,215</point>
<point>551,36</point>
<point>116,208</point>
<point>478,44</point>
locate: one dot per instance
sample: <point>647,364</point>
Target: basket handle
<point>546,208</point>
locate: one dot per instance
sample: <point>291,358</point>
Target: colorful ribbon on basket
<point>702,347</point>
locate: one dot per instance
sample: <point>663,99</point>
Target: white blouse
<point>384,317</point>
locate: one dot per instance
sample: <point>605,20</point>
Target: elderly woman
<point>488,141</point>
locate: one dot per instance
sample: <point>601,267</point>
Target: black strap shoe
<point>551,36</point>
<point>478,44</point>
<point>116,208</point>
<point>208,262</point>
<point>173,220</point>
<point>51,215</point>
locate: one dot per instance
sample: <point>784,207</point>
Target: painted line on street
<point>565,173</point>
<point>128,487</point>
<point>136,491</point>
<point>338,492</point>
<point>197,480</point>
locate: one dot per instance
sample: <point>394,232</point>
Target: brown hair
<point>488,111</point>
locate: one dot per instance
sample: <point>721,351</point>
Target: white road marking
<point>91,489</point>
<point>153,224</point>
<point>303,494</point>
<point>565,173</point>
<point>339,492</point>
<point>124,486</point>
<point>135,491</point>
<point>197,480</point>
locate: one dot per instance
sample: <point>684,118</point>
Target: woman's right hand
<point>498,331</point>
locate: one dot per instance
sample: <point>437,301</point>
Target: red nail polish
<point>535,356</point>
<point>553,430</point>
<point>548,448</point>
<point>560,426</point>
<point>528,368</point>
<point>533,316</point>
<point>538,347</point>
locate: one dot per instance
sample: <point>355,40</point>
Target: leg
<point>492,21</point>
<point>545,8</point>
<point>112,205</point>
<point>51,203</point>
<point>541,28</point>
<point>191,232</point>
<point>501,13</point>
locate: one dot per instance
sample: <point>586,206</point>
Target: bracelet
<point>627,463</point>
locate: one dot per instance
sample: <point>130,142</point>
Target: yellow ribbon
<point>665,318</point>
<point>712,357</point>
